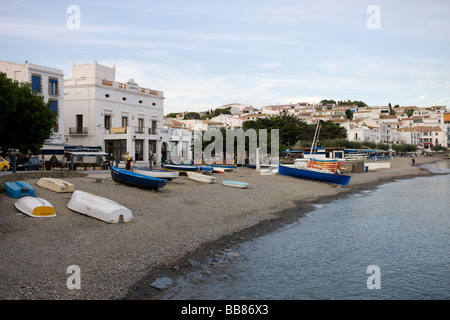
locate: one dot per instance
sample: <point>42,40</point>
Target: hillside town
<point>97,113</point>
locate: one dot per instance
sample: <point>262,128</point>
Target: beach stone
<point>162,283</point>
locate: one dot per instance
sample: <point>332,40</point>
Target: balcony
<point>78,130</point>
<point>132,130</point>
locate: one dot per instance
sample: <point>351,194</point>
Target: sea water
<point>392,242</point>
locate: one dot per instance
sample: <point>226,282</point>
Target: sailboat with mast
<point>314,169</point>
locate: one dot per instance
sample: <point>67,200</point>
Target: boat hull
<point>35,207</point>
<point>156,173</point>
<point>19,189</point>
<point>99,208</point>
<point>235,184</point>
<point>136,180</point>
<point>56,185</point>
<point>315,175</point>
<point>200,177</point>
<point>181,168</point>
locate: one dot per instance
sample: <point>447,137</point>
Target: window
<point>54,105</point>
<point>53,86</point>
<point>154,126</point>
<point>79,123</point>
<point>107,122</point>
<point>124,122</point>
<point>140,125</point>
<point>36,83</point>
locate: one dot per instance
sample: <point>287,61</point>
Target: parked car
<point>4,165</point>
<point>29,164</point>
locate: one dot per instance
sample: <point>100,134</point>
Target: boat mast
<point>316,135</point>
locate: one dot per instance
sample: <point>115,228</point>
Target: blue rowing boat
<point>19,189</point>
<point>314,174</point>
<point>136,180</point>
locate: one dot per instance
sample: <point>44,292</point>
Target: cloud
<point>417,100</point>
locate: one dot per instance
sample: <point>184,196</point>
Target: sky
<point>207,53</point>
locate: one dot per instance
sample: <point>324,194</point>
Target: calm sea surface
<point>402,227</point>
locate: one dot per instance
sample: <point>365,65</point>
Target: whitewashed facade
<point>118,117</point>
<point>49,83</point>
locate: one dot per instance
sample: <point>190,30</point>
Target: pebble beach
<point>172,229</point>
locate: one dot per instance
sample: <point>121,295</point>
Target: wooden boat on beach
<point>136,180</point>
<point>200,177</point>
<point>219,170</point>
<point>19,189</point>
<point>235,184</point>
<point>314,174</point>
<point>56,185</point>
<point>35,207</point>
<point>98,207</point>
<point>181,168</point>
<point>224,167</point>
<point>156,173</point>
<point>314,169</point>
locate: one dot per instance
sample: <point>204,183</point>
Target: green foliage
<point>26,120</point>
<point>325,101</point>
<point>349,114</point>
<point>192,115</point>
<point>293,130</point>
<point>360,104</point>
<point>172,115</point>
<point>439,148</point>
<point>344,143</point>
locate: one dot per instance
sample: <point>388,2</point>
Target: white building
<point>47,82</point>
<point>118,117</point>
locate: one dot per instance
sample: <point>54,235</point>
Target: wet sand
<point>173,229</point>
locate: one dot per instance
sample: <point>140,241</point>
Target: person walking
<point>413,161</point>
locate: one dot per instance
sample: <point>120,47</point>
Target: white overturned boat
<point>235,184</point>
<point>56,185</point>
<point>201,177</point>
<point>35,207</point>
<point>157,173</point>
<point>99,207</point>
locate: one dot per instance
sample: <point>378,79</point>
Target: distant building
<point>49,83</point>
<point>119,117</point>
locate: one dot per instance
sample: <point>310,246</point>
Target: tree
<point>26,120</point>
<point>172,115</point>
<point>325,101</point>
<point>349,114</point>
<point>192,115</point>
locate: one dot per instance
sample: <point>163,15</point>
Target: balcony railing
<point>132,130</point>
<point>78,130</point>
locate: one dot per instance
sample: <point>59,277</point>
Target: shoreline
<point>196,261</point>
<point>173,231</point>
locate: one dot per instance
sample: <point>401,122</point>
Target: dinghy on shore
<point>201,177</point>
<point>157,173</point>
<point>98,207</point>
<point>136,179</point>
<point>56,185</point>
<point>235,184</point>
<point>219,170</point>
<point>19,189</point>
<point>35,207</point>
